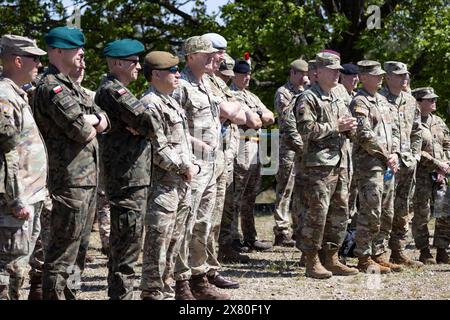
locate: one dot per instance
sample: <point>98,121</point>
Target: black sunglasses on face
<point>35,58</point>
<point>173,69</point>
<point>133,61</point>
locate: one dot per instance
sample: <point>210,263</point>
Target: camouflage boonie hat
<point>424,93</point>
<point>12,44</point>
<point>328,60</point>
<point>198,44</point>
<point>312,64</point>
<point>227,65</point>
<point>300,65</point>
<point>395,67</point>
<point>370,67</point>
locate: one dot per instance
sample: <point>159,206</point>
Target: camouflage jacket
<point>29,156</point>
<point>376,135</point>
<point>59,106</point>
<point>435,143</point>
<point>126,157</point>
<point>317,115</point>
<point>406,113</point>
<point>201,107</point>
<point>172,151</point>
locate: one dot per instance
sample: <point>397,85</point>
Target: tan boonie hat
<point>370,67</point>
<point>312,65</point>
<point>328,60</point>
<point>300,65</point>
<point>424,93</point>
<point>395,67</point>
<point>159,60</point>
<point>227,65</point>
<point>12,44</point>
<point>198,44</point>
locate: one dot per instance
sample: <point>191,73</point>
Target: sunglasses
<point>133,61</point>
<point>173,69</point>
<point>35,58</point>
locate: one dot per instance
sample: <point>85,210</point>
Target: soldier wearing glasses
<point>126,157</point>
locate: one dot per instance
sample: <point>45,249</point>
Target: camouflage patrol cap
<point>160,60</point>
<point>424,93</point>
<point>312,64</point>
<point>395,67</point>
<point>198,44</point>
<point>227,65</point>
<point>370,67</point>
<point>13,44</point>
<point>328,60</point>
<point>299,65</point>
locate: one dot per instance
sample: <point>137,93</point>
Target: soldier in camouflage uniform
<point>172,170</point>
<point>26,163</point>
<point>407,119</point>
<point>127,173</point>
<point>324,122</point>
<point>202,109</point>
<point>433,163</point>
<point>286,170</point>
<point>374,151</point>
<point>69,121</point>
<point>247,167</point>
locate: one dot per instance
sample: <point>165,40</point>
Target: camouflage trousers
<point>229,226</point>
<point>299,205</point>
<point>246,187</point>
<point>128,207</point>
<point>17,242</point>
<point>423,199</point>
<point>104,218</point>
<point>404,191</point>
<point>285,185</point>
<point>198,227</point>
<point>325,220</point>
<point>353,202</point>
<point>376,199</point>
<point>169,208</point>
<point>71,222</point>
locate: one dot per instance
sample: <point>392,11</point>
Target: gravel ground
<point>275,275</point>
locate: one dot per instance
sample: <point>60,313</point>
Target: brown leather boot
<point>382,260</point>
<point>442,256</point>
<point>35,288</point>
<point>426,257</point>
<point>338,269</point>
<point>366,264</point>
<point>202,290</point>
<point>399,257</point>
<point>227,254</point>
<point>314,268</point>
<point>183,290</point>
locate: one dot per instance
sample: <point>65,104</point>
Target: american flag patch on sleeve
<point>57,89</point>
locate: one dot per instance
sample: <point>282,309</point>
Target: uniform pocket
<point>67,217</point>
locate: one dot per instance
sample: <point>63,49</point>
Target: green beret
<point>65,38</point>
<point>123,48</point>
<point>159,60</point>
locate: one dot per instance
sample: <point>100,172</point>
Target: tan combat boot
<point>399,257</point>
<point>15,284</point>
<point>366,264</point>
<point>302,262</point>
<point>314,268</point>
<point>183,290</point>
<point>203,290</point>
<point>442,256</point>
<point>426,257</point>
<point>382,260</point>
<point>333,264</point>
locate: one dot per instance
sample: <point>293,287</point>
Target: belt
<point>254,139</point>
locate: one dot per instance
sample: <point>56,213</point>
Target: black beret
<point>241,66</point>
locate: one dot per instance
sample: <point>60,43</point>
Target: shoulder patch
<point>361,110</point>
<point>122,91</point>
<point>5,106</point>
<point>57,89</point>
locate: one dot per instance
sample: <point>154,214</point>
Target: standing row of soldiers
<point>362,149</point>
<point>182,163</point>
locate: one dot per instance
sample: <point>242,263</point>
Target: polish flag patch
<point>57,89</point>
<point>122,91</point>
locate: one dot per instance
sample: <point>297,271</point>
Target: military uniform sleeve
<point>307,124</point>
<point>416,134</point>
<point>65,111</point>
<point>281,102</point>
<point>288,127</point>
<point>365,136</point>
<point>9,135</point>
<point>446,141</point>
